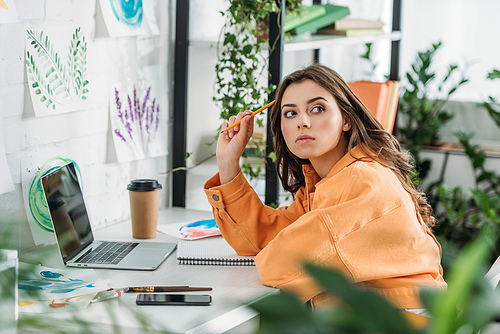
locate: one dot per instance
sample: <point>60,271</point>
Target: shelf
<point>304,42</point>
<point>490,149</point>
<point>308,41</point>
<point>313,41</point>
<point>203,43</point>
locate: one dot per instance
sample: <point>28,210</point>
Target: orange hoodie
<point>358,219</point>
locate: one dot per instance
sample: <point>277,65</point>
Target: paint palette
<point>43,289</point>
<point>191,230</point>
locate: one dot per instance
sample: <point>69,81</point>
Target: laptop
<point>74,235</point>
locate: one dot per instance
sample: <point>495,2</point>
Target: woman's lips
<point>302,139</point>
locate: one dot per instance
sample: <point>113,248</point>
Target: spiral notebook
<point>213,252</point>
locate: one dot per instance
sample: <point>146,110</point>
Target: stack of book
<point>314,17</point>
<point>349,27</point>
<point>381,99</point>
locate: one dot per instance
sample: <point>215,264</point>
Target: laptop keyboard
<point>110,252</point>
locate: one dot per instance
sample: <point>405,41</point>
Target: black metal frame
<point>395,45</point>
<point>179,136</point>
<point>276,35</point>
<point>396,26</point>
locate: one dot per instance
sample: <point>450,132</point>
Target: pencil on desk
<point>251,115</point>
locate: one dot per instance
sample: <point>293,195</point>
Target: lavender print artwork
<point>136,124</point>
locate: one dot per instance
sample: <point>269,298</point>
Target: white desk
<point>233,288</point>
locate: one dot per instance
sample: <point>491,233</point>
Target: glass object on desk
<point>8,291</point>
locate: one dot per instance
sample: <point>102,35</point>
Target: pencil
<point>251,115</point>
<point>165,289</point>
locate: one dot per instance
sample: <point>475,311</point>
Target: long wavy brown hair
<point>378,144</point>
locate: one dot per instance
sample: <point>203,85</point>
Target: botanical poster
<point>138,118</point>
<point>129,17</point>
<point>56,67</point>
<point>8,12</point>
<point>35,205</point>
<point>43,289</point>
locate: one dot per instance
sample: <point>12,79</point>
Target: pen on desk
<point>251,115</point>
<point>165,288</point>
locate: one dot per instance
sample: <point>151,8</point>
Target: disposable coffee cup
<point>144,197</point>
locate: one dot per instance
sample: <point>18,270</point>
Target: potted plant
<point>463,213</point>
<point>242,66</point>
<point>421,113</point>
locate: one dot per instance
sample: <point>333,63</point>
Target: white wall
<point>83,136</point>
<point>469,32</point>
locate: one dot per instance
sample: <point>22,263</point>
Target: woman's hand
<point>231,145</point>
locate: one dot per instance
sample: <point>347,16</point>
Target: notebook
<point>211,252</point>
<point>73,230</point>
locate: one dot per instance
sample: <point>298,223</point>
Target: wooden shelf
<point>314,41</point>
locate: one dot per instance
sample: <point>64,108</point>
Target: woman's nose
<point>303,122</point>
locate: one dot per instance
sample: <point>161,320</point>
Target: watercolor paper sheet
<point>149,12</point>
<point>191,230</point>
<point>43,290</point>
<point>35,204</point>
<point>8,13</point>
<point>6,184</point>
<point>129,17</point>
<point>137,118</point>
<point>57,69</point>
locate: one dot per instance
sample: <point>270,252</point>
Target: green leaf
<point>48,72</point>
<point>494,74</point>
<point>378,315</point>
<point>465,271</point>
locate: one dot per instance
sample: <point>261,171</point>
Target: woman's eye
<point>317,109</point>
<point>288,113</point>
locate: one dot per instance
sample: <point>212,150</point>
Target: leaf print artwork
<point>139,119</point>
<point>58,82</point>
<point>136,122</point>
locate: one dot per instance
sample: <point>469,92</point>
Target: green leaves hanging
<point>53,81</point>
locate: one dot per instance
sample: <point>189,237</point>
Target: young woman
<point>354,207</point>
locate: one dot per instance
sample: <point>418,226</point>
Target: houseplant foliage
<point>421,106</point>
<point>467,306</point>
<point>242,66</point>
<point>463,213</point>
<point>492,104</point>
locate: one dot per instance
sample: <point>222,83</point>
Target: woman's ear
<point>347,124</point>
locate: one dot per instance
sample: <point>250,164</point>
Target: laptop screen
<point>67,210</point>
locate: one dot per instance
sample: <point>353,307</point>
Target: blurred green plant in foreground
<point>467,306</point>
